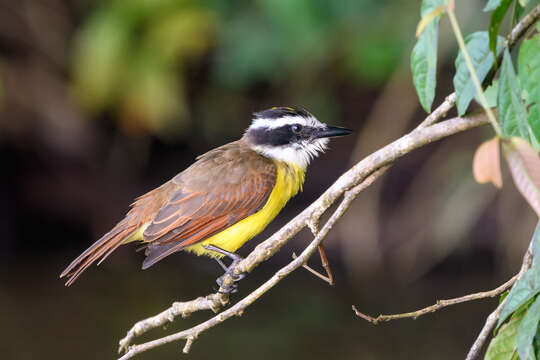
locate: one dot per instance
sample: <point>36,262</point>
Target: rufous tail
<point>100,249</point>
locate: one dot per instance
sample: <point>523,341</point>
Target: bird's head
<point>290,134</point>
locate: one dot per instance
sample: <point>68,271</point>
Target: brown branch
<point>522,27</point>
<point>438,305</point>
<point>326,264</point>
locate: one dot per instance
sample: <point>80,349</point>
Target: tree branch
<point>438,305</point>
<point>211,302</point>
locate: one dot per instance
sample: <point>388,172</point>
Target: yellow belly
<point>289,180</point>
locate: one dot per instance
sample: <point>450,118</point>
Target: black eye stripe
<point>273,137</point>
<point>279,136</point>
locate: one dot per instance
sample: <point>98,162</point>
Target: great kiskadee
<point>229,195</point>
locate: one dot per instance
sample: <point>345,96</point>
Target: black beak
<point>331,131</point>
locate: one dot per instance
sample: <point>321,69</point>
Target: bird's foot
<point>229,270</point>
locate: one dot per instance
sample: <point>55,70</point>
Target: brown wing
<point>222,188</point>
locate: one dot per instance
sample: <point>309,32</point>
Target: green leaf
<point>428,19</point>
<point>490,93</point>
<point>529,75</point>
<point>522,291</point>
<point>504,346</point>
<point>424,56</point>
<point>527,331</point>
<point>492,5</point>
<point>496,18</point>
<point>518,11</point>
<point>482,59</point>
<point>428,6</point>
<point>511,110</point>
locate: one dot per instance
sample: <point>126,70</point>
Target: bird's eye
<point>296,128</point>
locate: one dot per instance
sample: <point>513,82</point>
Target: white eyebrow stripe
<point>283,121</point>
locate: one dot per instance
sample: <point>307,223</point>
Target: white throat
<point>299,154</point>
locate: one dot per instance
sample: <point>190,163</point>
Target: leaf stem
<point>478,86</point>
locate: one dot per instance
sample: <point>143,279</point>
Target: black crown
<point>279,112</point>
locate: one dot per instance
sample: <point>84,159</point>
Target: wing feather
<point>192,216</point>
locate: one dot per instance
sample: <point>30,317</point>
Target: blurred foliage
<point>129,54</point>
<point>273,38</point>
<point>133,57</point>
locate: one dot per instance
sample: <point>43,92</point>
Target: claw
<point>229,270</point>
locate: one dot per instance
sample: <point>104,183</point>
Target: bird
<point>225,198</point>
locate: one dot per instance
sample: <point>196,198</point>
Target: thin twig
<point>315,272</point>
<point>440,111</point>
<point>189,342</point>
<point>329,278</point>
<point>326,264</point>
<point>438,305</point>
<point>494,316</point>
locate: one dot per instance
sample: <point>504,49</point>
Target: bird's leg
<point>229,270</point>
<point>221,263</point>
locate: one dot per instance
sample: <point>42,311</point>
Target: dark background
<point>101,101</point>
